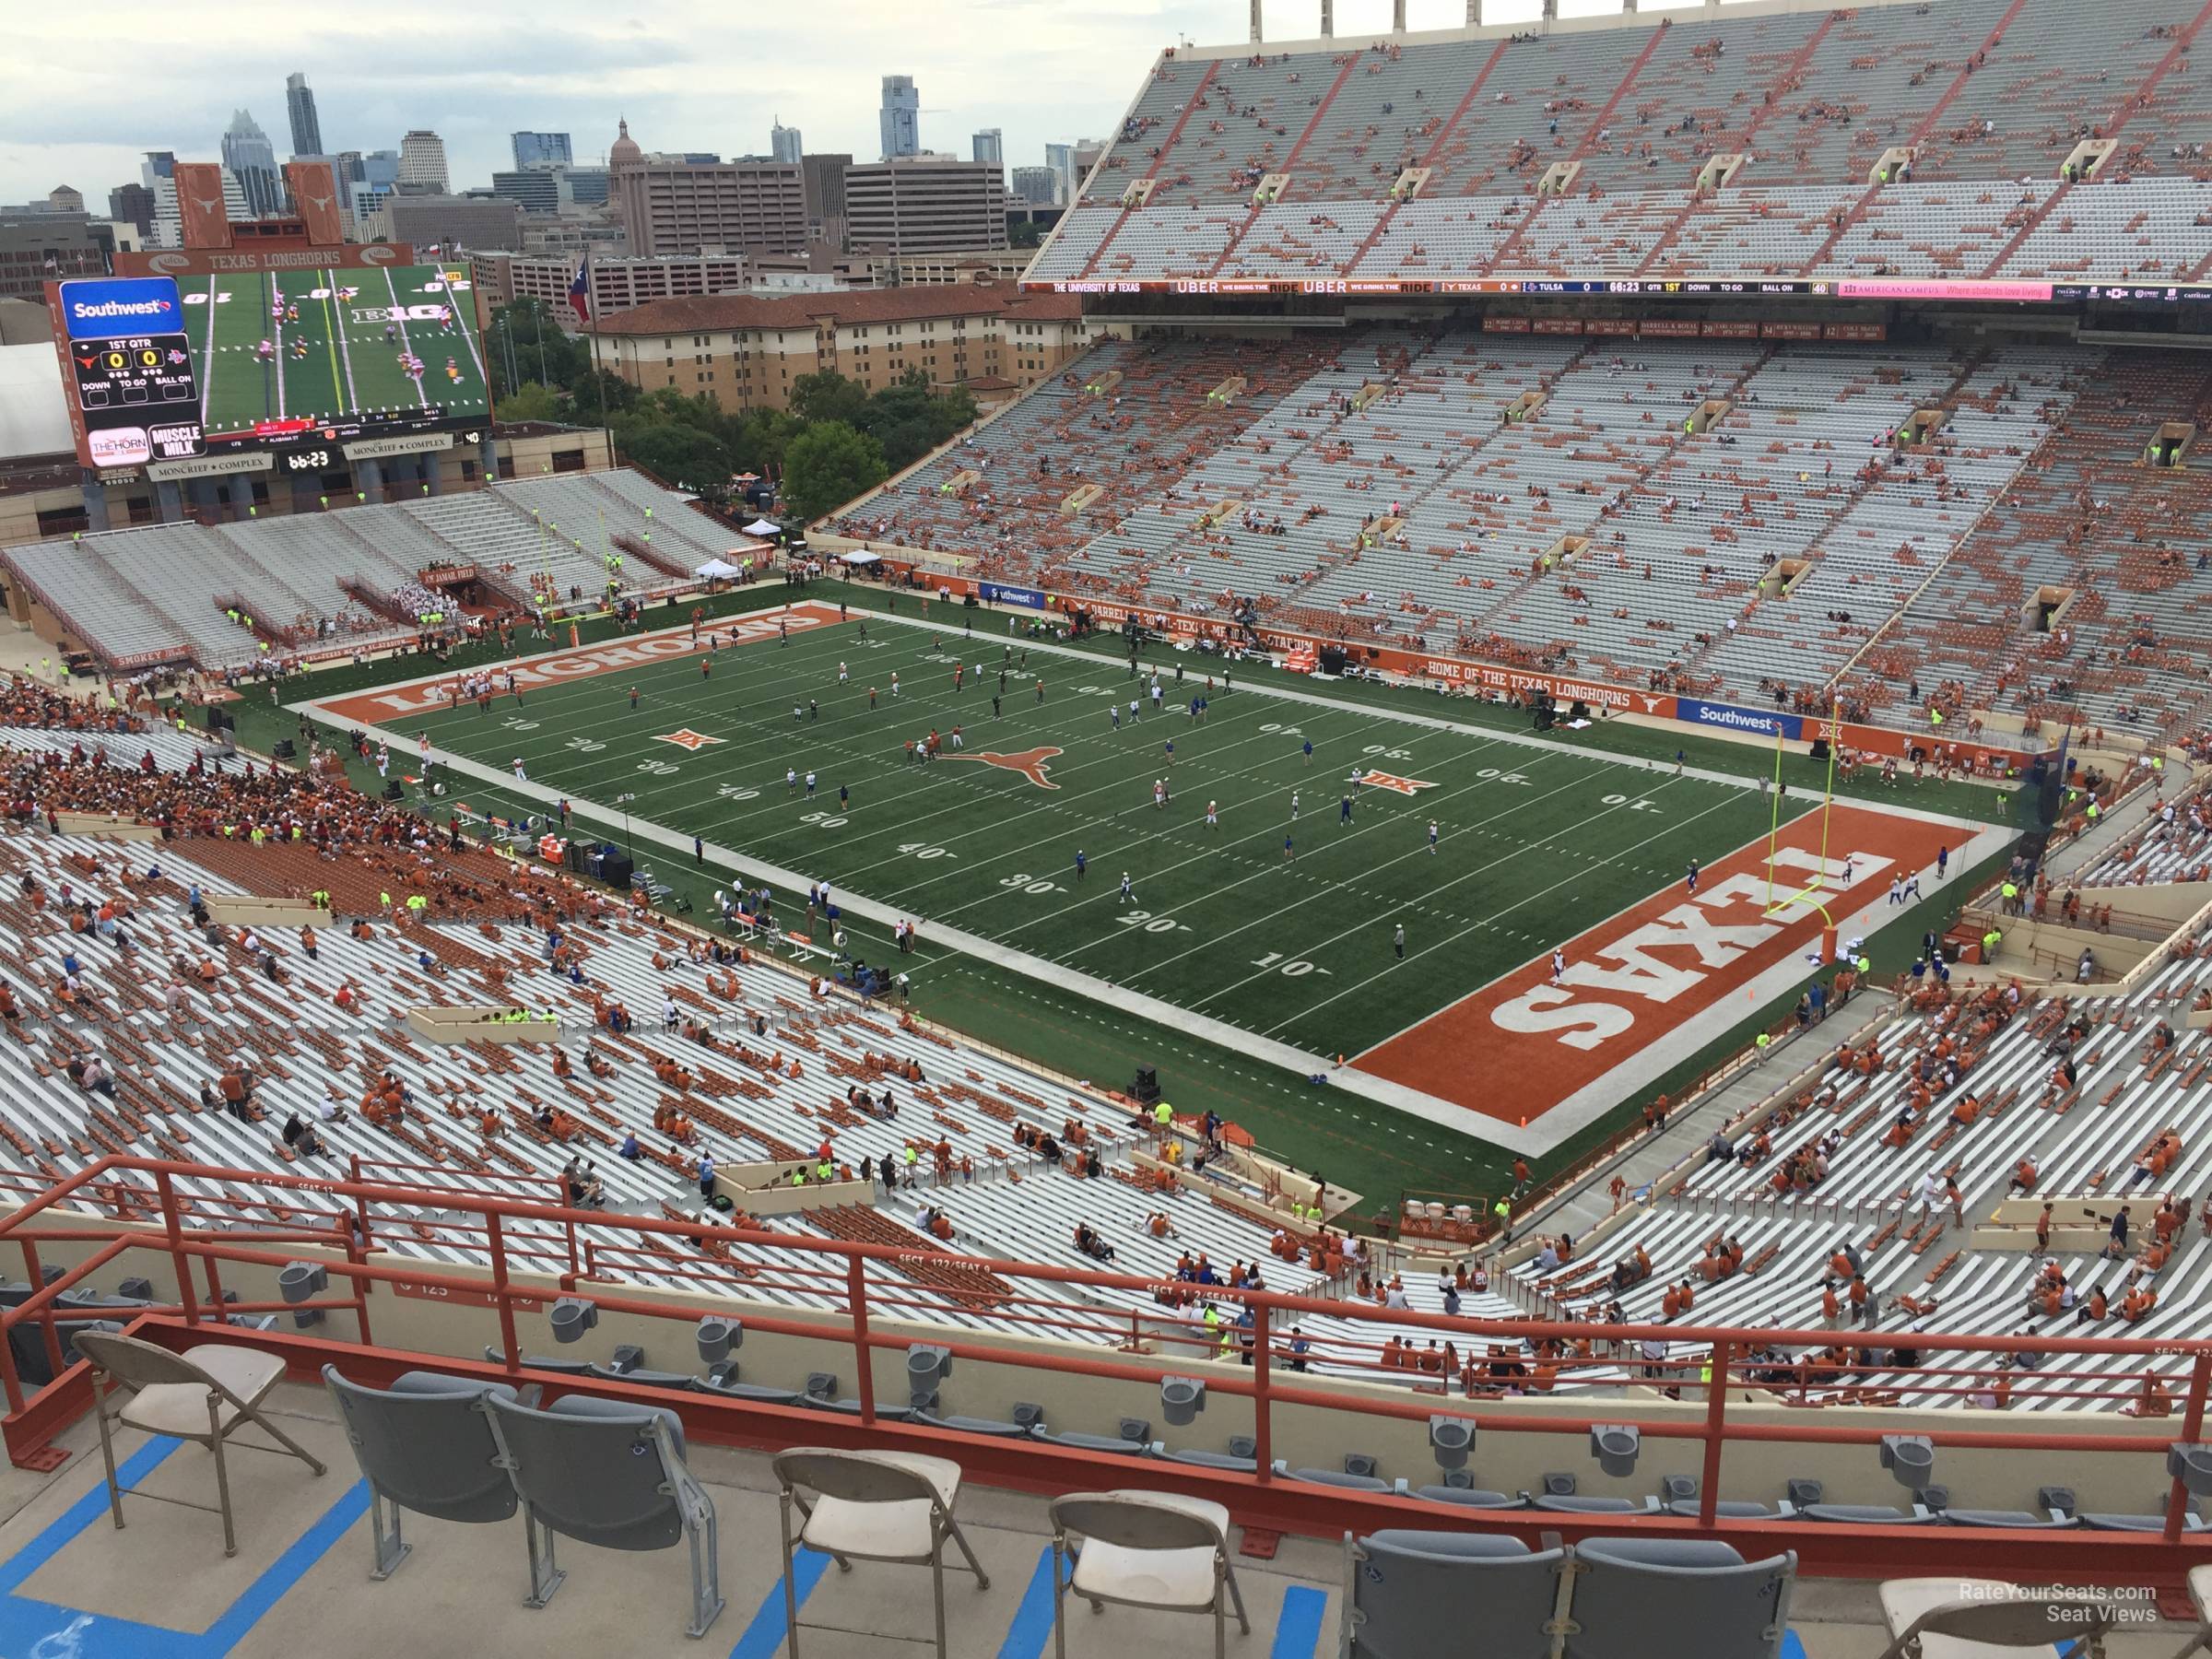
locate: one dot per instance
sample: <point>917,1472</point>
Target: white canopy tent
<point>861,558</point>
<point>760,526</point>
<point>718,569</point>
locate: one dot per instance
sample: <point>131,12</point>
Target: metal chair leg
<point>387,1548</point>
<point>791,1594</point>
<point>222,1485</point>
<point>545,1575</point>
<point>1059,1596</point>
<point>937,1588</point>
<point>107,1449</point>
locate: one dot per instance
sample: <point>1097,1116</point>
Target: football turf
<point>1535,844</point>
<point>1371,1148</point>
<point>348,365</point>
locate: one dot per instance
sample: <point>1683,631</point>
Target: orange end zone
<point>427,696</point>
<point>1521,1045</point>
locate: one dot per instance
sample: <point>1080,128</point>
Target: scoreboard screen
<point>128,370</point>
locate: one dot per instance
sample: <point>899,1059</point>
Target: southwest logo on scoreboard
<point>1396,784</point>
<point>687,740</point>
<point>108,308</point>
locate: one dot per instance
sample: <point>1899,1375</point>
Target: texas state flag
<point>580,291</point>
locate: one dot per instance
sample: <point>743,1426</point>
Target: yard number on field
<point>1293,966</point>
<point>1146,921</point>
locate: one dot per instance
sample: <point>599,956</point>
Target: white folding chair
<point>1965,1618</point>
<point>205,1394</point>
<point>1145,1549</point>
<point>871,1506</point>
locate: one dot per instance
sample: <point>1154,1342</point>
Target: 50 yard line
<point>349,398</point>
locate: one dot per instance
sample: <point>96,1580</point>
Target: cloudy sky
<point>696,77</point>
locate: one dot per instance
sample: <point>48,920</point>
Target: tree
<point>1025,235</point>
<point>827,465</point>
<point>610,397</point>
<point>828,396</point>
<point>680,455</point>
<point>530,401</point>
<point>762,438</point>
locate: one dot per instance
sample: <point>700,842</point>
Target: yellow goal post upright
<point>1783,904</point>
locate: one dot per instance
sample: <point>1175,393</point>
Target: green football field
<point>337,346</point>
<point>1535,844</point>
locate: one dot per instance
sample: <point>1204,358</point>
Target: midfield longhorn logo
<point>1030,763</point>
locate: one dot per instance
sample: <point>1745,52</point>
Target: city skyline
<point>1047,76</point>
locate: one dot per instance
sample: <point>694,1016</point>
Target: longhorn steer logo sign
<point>1030,763</point>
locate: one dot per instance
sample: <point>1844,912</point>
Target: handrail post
<point>1262,1428</point>
<point>2192,1425</point>
<point>496,1241</point>
<point>856,1304</point>
<point>36,1273</point>
<point>187,1297</point>
<point>1716,1409</point>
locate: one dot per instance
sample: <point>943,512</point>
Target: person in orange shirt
<point>1670,1305</point>
<point>1831,1308</point>
<point>1966,1112</point>
<point>2094,1311</point>
<point>2140,1300</point>
<point>561,1068</point>
<point>2023,1178</point>
<point>2153,1402</point>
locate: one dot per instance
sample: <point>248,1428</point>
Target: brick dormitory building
<point>746,350</point>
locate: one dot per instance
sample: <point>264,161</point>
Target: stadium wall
<point>1495,681</point>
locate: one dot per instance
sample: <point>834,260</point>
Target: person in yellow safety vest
<point>823,1171</point>
<point>2093,810</point>
<point>1935,717</point>
<point>255,836</point>
<point>417,903</point>
<point>1163,1117</point>
<point>911,1159</point>
<point>2011,891</point>
<point>385,899</point>
<point>798,1177</point>
<point>1705,1378</point>
<point>1989,943</point>
<point>1502,1212</point>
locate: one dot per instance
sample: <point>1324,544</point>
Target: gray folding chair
<point>1409,1594</point>
<point>206,1394</point>
<point>1964,1619</point>
<point>610,1474</point>
<point>1678,1598</point>
<point>1145,1549</point>
<point>424,1444</point>
<point>870,1506</point>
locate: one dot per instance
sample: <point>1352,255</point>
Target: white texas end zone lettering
<point>1522,1045</point>
<point>1626,967</point>
<point>427,696</point>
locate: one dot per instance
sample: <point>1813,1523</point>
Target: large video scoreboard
<point>127,370</point>
<point>228,360</point>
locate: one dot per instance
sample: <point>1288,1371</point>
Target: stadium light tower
<point>1255,22</point>
<point>1328,19</point>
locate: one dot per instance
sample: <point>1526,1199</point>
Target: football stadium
<point>1559,798</point>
